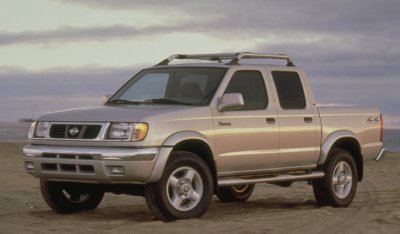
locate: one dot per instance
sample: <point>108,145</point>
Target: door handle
<point>270,120</point>
<point>308,119</point>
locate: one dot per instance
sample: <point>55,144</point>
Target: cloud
<point>75,34</point>
<point>349,49</point>
<point>63,81</point>
<point>69,34</point>
<point>270,21</point>
<point>310,15</point>
<point>360,68</point>
<point>25,93</point>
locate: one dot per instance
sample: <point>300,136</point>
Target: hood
<point>119,113</point>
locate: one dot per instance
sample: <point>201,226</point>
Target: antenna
<point>33,111</point>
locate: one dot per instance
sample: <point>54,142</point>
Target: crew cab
<point>179,134</point>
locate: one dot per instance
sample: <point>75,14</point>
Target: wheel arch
<point>346,140</point>
<point>190,141</point>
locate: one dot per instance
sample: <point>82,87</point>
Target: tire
<point>184,190</point>
<point>237,193</point>
<point>71,197</point>
<point>339,185</point>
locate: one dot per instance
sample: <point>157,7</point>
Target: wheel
<point>237,193</point>
<point>70,197</point>
<point>184,190</point>
<point>339,185</point>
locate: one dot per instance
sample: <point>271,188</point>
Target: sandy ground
<point>271,209</point>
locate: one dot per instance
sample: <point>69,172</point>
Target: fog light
<point>29,166</point>
<point>117,170</point>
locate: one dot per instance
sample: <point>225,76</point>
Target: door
<point>298,121</point>
<point>244,140</point>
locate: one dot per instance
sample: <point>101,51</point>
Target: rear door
<point>298,119</point>
<point>244,140</point>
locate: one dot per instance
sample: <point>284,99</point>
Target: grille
<point>76,131</point>
<point>66,166</point>
<point>68,156</point>
<point>57,131</point>
<point>92,131</point>
<point>71,168</point>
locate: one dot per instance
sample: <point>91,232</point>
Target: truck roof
<point>225,59</point>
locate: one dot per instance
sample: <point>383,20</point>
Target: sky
<point>59,54</point>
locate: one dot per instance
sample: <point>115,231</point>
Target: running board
<point>278,178</point>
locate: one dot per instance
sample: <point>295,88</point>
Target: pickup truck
<point>180,133</point>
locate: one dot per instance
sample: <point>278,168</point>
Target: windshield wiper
<point>147,101</point>
<point>166,101</point>
<point>124,101</point>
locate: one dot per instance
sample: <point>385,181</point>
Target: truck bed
<point>364,123</point>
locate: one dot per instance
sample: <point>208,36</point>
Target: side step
<point>278,178</point>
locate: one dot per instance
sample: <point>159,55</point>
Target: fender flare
<point>166,150</point>
<point>177,137</point>
<point>331,140</point>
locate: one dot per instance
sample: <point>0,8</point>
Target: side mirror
<point>106,97</point>
<point>230,101</point>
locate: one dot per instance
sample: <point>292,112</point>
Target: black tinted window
<point>251,85</point>
<point>290,90</point>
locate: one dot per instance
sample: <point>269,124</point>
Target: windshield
<point>179,85</point>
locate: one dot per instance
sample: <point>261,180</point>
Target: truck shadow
<point>268,205</point>
<point>139,213</point>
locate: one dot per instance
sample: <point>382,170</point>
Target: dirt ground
<point>271,209</point>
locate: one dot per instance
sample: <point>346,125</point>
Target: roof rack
<point>234,57</point>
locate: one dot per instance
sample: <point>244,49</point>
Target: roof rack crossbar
<point>234,57</point>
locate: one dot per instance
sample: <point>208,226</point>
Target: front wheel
<point>236,193</point>
<point>184,190</point>
<point>339,185</point>
<point>65,197</point>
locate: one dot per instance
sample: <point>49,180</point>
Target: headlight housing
<point>139,131</point>
<point>41,129</point>
<point>124,131</point>
<point>31,132</point>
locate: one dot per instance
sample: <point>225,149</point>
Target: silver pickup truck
<point>178,134</point>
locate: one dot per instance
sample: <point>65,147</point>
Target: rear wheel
<point>339,185</point>
<point>184,190</point>
<point>236,193</point>
<point>71,197</point>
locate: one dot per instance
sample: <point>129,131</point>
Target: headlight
<point>124,131</point>
<point>119,130</point>
<point>41,129</point>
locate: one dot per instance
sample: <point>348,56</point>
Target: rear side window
<point>290,90</point>
<point>252,87</point>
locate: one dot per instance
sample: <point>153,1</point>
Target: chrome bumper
<point>92,164</point>
<point>381,154</point>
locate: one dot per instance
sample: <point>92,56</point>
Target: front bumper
<point>104,165</point>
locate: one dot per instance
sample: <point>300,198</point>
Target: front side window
<point>290,90</point>
<point>252,87</point>
<point>179,85</point>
